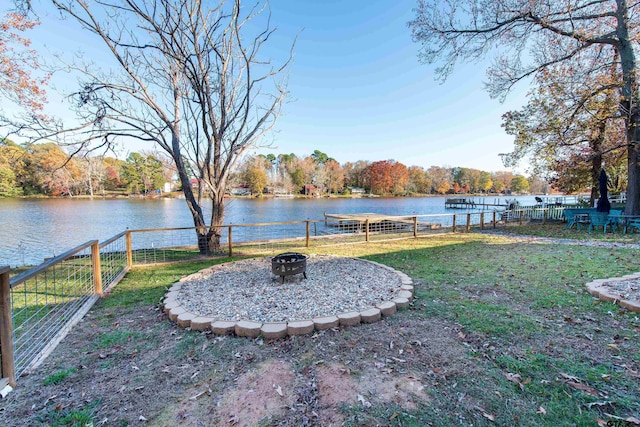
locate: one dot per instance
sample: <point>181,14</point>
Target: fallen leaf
<point>278,390</point>
<point>613,346</point>
<point>516,379</point>
<point>569,377</point>
<point>142,418</point>
<point>541,411</point>
<point>489,416</point>
<point>582,387</point>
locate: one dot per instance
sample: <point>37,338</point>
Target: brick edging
<point>274,330</point>
<point>598,289</point>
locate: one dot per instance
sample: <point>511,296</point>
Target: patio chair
<point>631,223</point>
<point>615,218</point>
<point>598,219</point>
<point>570,215</point>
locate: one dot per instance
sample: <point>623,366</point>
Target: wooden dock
<point>377,222</point>
<point>471,203</point>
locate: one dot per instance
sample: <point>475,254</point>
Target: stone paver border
<point>253,329</point>
<point>599,289</point>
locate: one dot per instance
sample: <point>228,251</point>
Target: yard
<point>502,332</point>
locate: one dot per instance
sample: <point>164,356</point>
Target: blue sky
<point>358,91</point>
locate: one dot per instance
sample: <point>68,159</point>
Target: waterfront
<point>34,229</point>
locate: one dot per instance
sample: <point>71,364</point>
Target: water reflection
<point>31,230</point>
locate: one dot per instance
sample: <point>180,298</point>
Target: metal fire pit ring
<point>288,264</point>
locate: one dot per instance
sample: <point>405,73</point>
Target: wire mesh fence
<point>45,299</point>
<point>114,259</point>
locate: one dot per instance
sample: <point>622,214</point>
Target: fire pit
<point>288,264</point>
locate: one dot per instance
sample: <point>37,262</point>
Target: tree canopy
<point>526,38</point>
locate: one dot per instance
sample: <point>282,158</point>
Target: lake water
<point>31,230</point>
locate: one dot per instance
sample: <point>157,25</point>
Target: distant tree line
<point>319,174</point>
<point>45,169</point>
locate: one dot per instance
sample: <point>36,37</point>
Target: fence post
<point>415,226</point>
<point>306,245</point>
<point>95,266</point>
<point>544,215</point>
<point>454,223</point>
<point>129,250</point>
<point>494,219</point>
<point>481,220</point>
<point>520,217</point>
<point>6,328</point>
<point>366,229</point>
<point>468,222</point>
<point>230,242</point>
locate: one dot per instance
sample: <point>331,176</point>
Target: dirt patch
<point>261,395</point>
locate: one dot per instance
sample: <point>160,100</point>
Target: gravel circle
<point>247,290</point>
<point>627,289</point>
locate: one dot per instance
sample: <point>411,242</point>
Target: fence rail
<point>40,305</point>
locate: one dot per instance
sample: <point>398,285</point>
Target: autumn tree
<point>571,117</point>
<point>18,64</point>
<point>418,180</point>
<point>530,37</point>
<point>440,179</point>
<point>253,173</point>
<point>519,184</point>
<point>13,159</point>
<point>501,180</point>
<point>355,174</point>
<point>388,177</point>
<point>50,171</point>
<point>191,78</point>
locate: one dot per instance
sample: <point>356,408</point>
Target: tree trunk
<point>629,107</point>
<point>596,165</point>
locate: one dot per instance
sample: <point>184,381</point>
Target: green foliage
<point>81,417</point>
<point>59,377</point>
<point>142,174</point>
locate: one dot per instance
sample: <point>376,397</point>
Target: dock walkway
<point>377,222</point>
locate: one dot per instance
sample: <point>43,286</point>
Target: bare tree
<point>530,37</point>
<point>189,78</point>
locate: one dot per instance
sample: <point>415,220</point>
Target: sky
<point>358,91</point>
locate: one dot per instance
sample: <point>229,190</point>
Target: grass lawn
<point>502,332</point>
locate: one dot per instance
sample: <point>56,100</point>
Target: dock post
<point>454,223</point>
<point>307,239</point>
<point>366,229</point>
<point>468,228</point>
<point>520,217</point>
<point>494,219</point>
<point>415,226</point>
<point>230,242</point>
<point>481,220</point>
<point>544,215</point>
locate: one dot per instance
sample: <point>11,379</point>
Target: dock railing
<point>40,305</point>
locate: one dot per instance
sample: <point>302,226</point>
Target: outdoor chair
<point>570,216</point>
<point>631,223</point>
<point>615,218</point>
<point>598,219</point>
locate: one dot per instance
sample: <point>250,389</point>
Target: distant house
<point>241,190</point>
<point>356,190</point>
<point>311,190</point>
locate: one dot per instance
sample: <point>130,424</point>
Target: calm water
<point>31,230</point>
